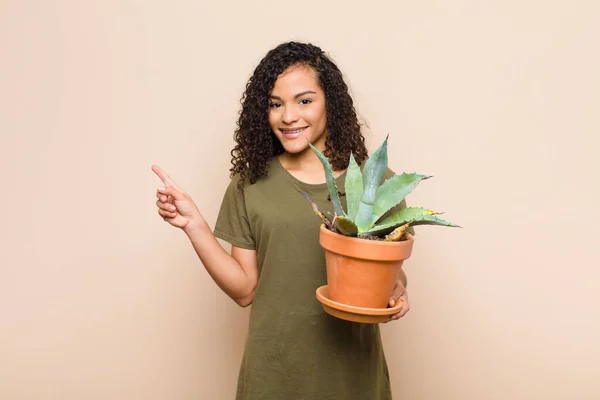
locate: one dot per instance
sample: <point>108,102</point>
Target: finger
<point>166,214</point>
<point>405,307</point>
<point>166,206</point>
<point>396,317</point>
<point>401,314</point>
<point>404,310</point>
<point>161,197</point>
<point>170,200</point>
<point>173,192</point>
<point>394,300</point>
<point>399,292</point>
<point>167,180</point>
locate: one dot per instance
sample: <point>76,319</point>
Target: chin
<point>294,148</point>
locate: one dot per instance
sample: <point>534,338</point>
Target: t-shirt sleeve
<point>233,224</point>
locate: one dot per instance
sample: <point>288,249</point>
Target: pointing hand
<point>174,205</point>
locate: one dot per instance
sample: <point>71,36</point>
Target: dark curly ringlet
<point>257,144</point>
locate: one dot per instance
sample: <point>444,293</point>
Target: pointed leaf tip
<point>328,223</point>
<point>331,183</point>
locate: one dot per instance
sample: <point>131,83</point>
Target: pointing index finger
<point>167,180</point>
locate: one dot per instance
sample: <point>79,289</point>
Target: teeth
<point>292,132</point>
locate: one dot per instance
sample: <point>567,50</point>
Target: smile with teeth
<point>292,133</point>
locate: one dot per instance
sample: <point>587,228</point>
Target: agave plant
<point>369,201</point>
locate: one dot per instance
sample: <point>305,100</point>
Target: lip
<point>297,132</point>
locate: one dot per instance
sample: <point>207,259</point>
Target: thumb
<point>399,290</point>
<point>171,191</point>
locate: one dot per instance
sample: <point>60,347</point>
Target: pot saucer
<point>355,314</point>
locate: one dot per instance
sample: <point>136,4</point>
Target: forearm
<point>402,278</point>
<point>223,268</point>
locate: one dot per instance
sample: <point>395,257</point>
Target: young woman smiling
<point>294,350</point>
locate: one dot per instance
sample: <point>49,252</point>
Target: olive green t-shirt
<point>295,350</point>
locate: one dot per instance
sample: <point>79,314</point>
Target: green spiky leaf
<point>315,208</point>
<point>372,173</point>
<point>393,191</point>
<point>345,226</point>
<point>412,216</point>
<point>431,220</point>
<point>331,184</point>
<point>354,187</point>
<point>403,216</point>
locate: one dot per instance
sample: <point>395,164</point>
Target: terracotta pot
<point>362,272</point>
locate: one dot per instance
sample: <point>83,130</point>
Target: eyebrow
<point>296,96</point>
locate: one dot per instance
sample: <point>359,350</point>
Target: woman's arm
<point>235,274</point>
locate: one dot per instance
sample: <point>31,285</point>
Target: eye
<point>274,105</point>
<point>305,101</point>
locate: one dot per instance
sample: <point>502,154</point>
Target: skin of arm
<point>402,278</point>
<point>235,274</point>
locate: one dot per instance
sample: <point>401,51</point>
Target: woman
<point>294,349</point>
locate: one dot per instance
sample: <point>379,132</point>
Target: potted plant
<point>366,245</point>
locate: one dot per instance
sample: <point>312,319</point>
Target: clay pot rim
<point>322,294</point>
<point>370,242</point>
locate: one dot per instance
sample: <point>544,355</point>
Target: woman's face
<point>297,110</point>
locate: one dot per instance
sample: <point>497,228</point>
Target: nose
<point>290,115</point>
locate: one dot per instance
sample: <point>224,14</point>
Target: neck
<point>306,160</point>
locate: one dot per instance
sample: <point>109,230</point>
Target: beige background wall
<point>499,100</point>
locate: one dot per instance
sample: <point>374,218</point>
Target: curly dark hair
<point>256,142</point>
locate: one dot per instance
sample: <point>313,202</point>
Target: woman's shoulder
<point>242,181</point>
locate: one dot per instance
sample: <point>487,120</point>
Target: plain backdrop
<point>498,100</point>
